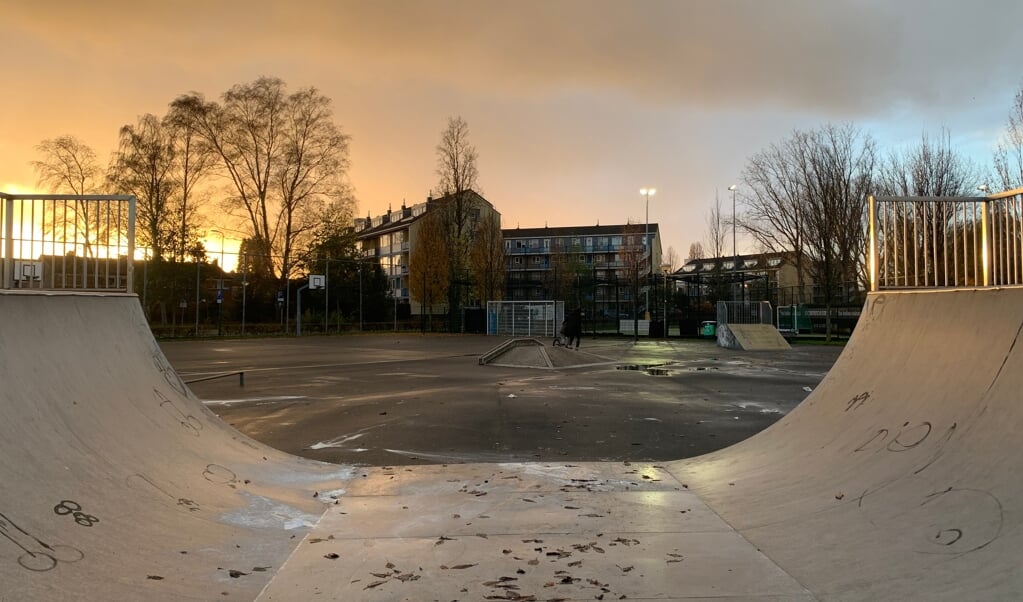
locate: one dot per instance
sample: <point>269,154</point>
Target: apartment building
<point>389,239</point>
<point>588,266</point>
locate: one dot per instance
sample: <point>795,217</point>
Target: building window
<point>589,242</point>
<point>518,261</point>
<point>546,243</point>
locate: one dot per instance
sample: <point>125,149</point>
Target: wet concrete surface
<point>384,400</point>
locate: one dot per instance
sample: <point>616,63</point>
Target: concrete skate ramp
<point>751,337</point>
<point>117,484</point>
<point>899,477</point>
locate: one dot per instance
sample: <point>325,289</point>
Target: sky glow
<point>573,106</point>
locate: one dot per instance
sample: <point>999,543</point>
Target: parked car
<point>708,329</point>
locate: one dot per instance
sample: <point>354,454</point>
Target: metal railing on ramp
<point>60,241</point>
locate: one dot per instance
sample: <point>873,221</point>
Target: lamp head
<point>732,187</point>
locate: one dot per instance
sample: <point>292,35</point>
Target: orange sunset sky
<point>573,106</point>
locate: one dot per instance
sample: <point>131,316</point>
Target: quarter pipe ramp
<point>897,479</point>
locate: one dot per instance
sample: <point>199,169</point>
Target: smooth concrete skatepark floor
<point>895,479</point>
<point>412,399</point>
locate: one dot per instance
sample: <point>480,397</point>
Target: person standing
<point>574,327</point>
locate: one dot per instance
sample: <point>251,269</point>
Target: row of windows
<point>573,242</point>
<point>709,266</point>
<point>545,260</point>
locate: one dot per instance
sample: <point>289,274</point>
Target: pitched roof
<point>407,220</point>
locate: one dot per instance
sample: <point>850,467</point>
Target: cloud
<point>573,104</point>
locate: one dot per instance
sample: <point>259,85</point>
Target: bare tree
<point>311,173</point>
<point>457,172</point>
<point>1008,156</point>
<point>930,169</point>
<point>68,166</point>
<point>283,155</point>
<point>671,259</point>
<point>837,166</point>
<point>775,214</point>
<point>717,229</point>
<point>695,251</point>
<point>143,166</point>
<point>195,160</point>
<point>428,263</point>
<point>717,232</point>
<point>807,197</point>
<point>487,258</point>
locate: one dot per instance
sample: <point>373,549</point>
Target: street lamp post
<point>735,253</point>
<point>197,294</point>
<point>648,192</point>
<point>664,270</point>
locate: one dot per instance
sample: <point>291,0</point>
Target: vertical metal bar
<point>872,212</point>
<point>916,245</point>
<point>963,246</point>
<point>944,241</point>
<point>905,242</point>
<point>132,216</point>
<point>1016,240</point>
<point>1002,239</point>
<point>1010,216</point>
<point>926,209</point>
<point>889,259</point>
<point>995,241</point>
<point>975,227</point>
<point>1010,227</point>
<point>94,231</point>
<point>985,252</point>
<point>955,244</point>
<point>53,242</point>
<point>8,275</point>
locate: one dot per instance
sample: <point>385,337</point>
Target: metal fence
<point>54,241</point>
<point>525,318</point>
<point>937,242</point>
<point>745,312</point>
